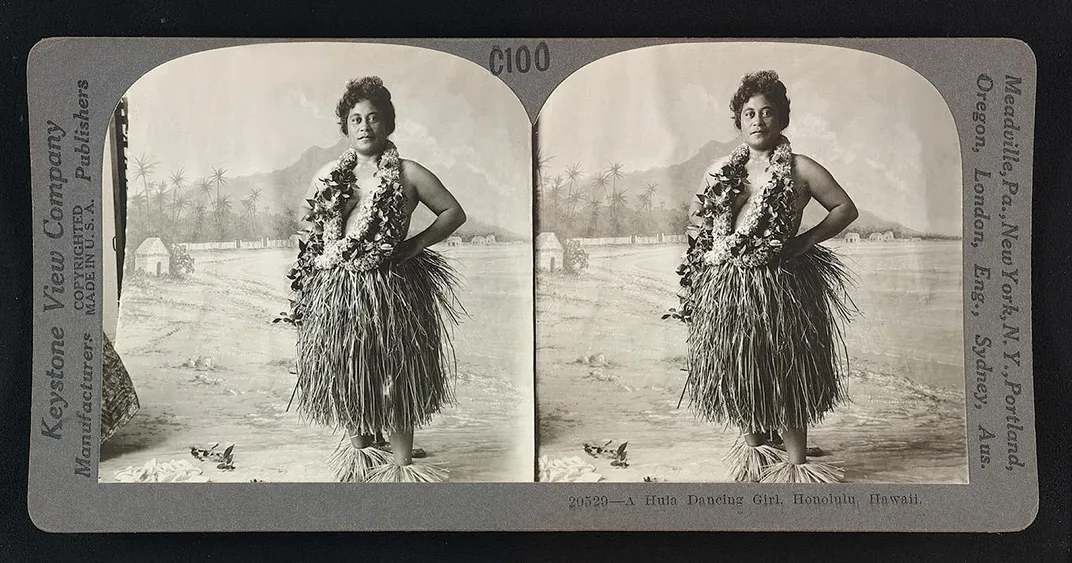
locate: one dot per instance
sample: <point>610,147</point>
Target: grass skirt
<point>765,344</point>
<point>374,351</point>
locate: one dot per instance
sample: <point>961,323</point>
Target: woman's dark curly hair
<point>763,82</point>
<point>369,88</point>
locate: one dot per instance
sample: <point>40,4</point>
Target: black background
<point>1043,26</point>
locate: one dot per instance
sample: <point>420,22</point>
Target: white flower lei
<point>772,212</point>
<point>378,220</point>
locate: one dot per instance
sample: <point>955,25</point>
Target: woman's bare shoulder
<point>415,174</point>
<point>810,175</point>
<point>806,166</point>
<point>413,167</point>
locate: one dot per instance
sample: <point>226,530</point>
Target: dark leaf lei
<point>759,238</point>
<point>379,226</point>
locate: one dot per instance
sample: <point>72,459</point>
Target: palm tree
<point>594,202</point>
<point>143,169</point>
<point>556,193</point>
<point>223,205</point>
<point>644,205</point>
<point>614,173</point>
<point>204,187</point>
<point>218,176</point>
<point>178,181</point>
<point>618,202</point>
<point>160,199</point>
<point>650,190</point>
<point>573,173</point>
<point>249,208</point>
<point>221,209</point>
<point>601,182</point>
<point>180,203</point>
<point>646,200</point>
<point>254,196</point>
<point>573,200</point>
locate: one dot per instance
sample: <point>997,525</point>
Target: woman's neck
<point>364,161</point>
<point>759,155</point>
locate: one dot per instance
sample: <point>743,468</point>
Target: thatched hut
<point>875,237</point>
<point>852,237</point>
<point>549,252</point>
<point>453,241</point>
<point>887,236</point>
<point>152,257</point>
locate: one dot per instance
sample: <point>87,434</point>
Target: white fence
<point>655,239</point>
<point>194,246</point>
<point>238,245</point>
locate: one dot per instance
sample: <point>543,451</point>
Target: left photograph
<point>322,270</point>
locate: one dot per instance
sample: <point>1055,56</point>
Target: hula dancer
<point>374,310</point>
<point>764,303</point>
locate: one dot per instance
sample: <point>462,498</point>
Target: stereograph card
<point>524,284</point>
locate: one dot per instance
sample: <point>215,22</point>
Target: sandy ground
<point>894,430</point>
<point>905,423</point>
<point>223,314</point>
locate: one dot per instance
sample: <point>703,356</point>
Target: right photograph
<point>749,268</point>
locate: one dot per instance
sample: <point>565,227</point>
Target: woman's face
<point>366,128</point>
<point>760,124</point>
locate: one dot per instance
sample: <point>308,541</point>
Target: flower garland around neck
<point>758,239</point>
<point>376,227</point>
<point>378,224</point>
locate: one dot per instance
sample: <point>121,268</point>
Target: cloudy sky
<point>258,108</point>
<point>879,127</point>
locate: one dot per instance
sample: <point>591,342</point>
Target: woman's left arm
<point>841,211</point>
<point>435,196</point>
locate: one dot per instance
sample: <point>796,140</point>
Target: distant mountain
<point>287,186</point>
<point>678,182</point>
